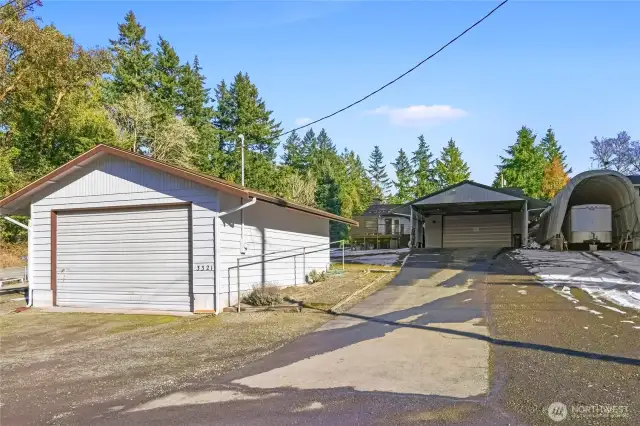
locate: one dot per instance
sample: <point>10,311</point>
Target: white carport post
<point>525,225</point>
<point>411,228</point>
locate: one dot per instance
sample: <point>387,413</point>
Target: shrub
<point>315,276</point>
<point>263,295</point>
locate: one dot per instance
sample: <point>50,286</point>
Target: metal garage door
<point>133,258</point>
<point>491,230</point>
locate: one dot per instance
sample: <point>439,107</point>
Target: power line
<point>24,7</point>
<point>401,75</point>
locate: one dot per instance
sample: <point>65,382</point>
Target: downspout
<point>29,255</point>
<point>216,255</point>
<point>243,247</point>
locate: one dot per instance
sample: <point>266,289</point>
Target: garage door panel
<point>80,231</point>
<point>490,231</point>
<point>116,259</point>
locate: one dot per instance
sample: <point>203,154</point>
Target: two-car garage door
<point>127,258</point>
<point>490,230</point>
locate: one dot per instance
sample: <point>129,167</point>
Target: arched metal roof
<point>594,187</point>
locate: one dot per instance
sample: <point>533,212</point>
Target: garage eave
<point>18,202</point>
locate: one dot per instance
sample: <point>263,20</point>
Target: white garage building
<point>112,229</point>
<point>470,214</point>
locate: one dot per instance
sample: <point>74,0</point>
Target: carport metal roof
<point>472,197</point>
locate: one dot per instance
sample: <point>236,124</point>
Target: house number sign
<point>208,267</point>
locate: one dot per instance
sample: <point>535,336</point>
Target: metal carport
<point>469,214</point>
<point>595,187</point>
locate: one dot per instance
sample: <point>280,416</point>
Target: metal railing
<point>291,253</point>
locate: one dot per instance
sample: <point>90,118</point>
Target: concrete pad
<point>406,360</point>
<point>391,342</point>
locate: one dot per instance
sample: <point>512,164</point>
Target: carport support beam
<point>411,228</point>
<point>525,225</point>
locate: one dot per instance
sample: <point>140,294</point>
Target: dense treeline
<point>59,99</point>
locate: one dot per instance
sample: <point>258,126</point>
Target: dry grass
<point>325,294</point>
<point>10,254</point>
<point>79,359</point>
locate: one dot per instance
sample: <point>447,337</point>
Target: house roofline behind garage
<point>205,180</point>
<point>536,203</point>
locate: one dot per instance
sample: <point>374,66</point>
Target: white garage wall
<point>268,228</point>
<point>111,181</point>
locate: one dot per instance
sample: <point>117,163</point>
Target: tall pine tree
<point>423,164</point>
<point>377,172</point>
<point>132,60</point>
<point>404,178</point>
<point>241,110</point>
<point>166,78</point>
<point>524,164</point>
<point>194,96</point>
<point>450,167</point>
<point>552,149</point>
<point>293,155</point>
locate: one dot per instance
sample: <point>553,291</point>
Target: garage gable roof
<point>202,179</point>
<point>467,192</point>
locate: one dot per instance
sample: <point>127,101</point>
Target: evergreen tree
<point>194,96</point>
<point>404,178</point>
<point>293,155</point>
<point>357,190</point>
<point>308,148</point>
<point>377,172</point>
<point>194,109</point>
<point>423,163</point>
<point>132,59</point>
<point>552,149</point>
<point>167,73</point>
<point>450,167</point>
<point>240,110</point>
<point>524,164</point>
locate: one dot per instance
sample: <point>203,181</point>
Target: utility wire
<point>24,7</point>
<point>8,3</point>
<point>401,75</point>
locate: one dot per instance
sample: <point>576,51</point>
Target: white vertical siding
<point>433,231</point>
<point>113,182</point>
<point>268,228</point>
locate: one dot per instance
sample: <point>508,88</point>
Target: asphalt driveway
<point>415,351</point>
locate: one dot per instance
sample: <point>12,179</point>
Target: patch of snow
<point>466,300</point>
<point>585,327</point>
<point>612,308</point>
<point>523,292</point>
<point>628,321</point>
<point>637,327</point>
<point>591,311</point>
<point>602,281</point>
<point>381,259</point>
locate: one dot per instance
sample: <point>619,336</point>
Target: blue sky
<point>572,65</point>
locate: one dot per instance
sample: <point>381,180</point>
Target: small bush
<point>315,276</point>
<point>263,295</point>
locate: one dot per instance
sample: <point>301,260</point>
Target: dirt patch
<point>549,351</point>
<point>54,364</point>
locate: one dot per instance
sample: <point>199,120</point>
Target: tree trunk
<point>52,114</point>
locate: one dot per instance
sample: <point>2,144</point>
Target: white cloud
<point>419,114</point>
<point>302,121</point>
